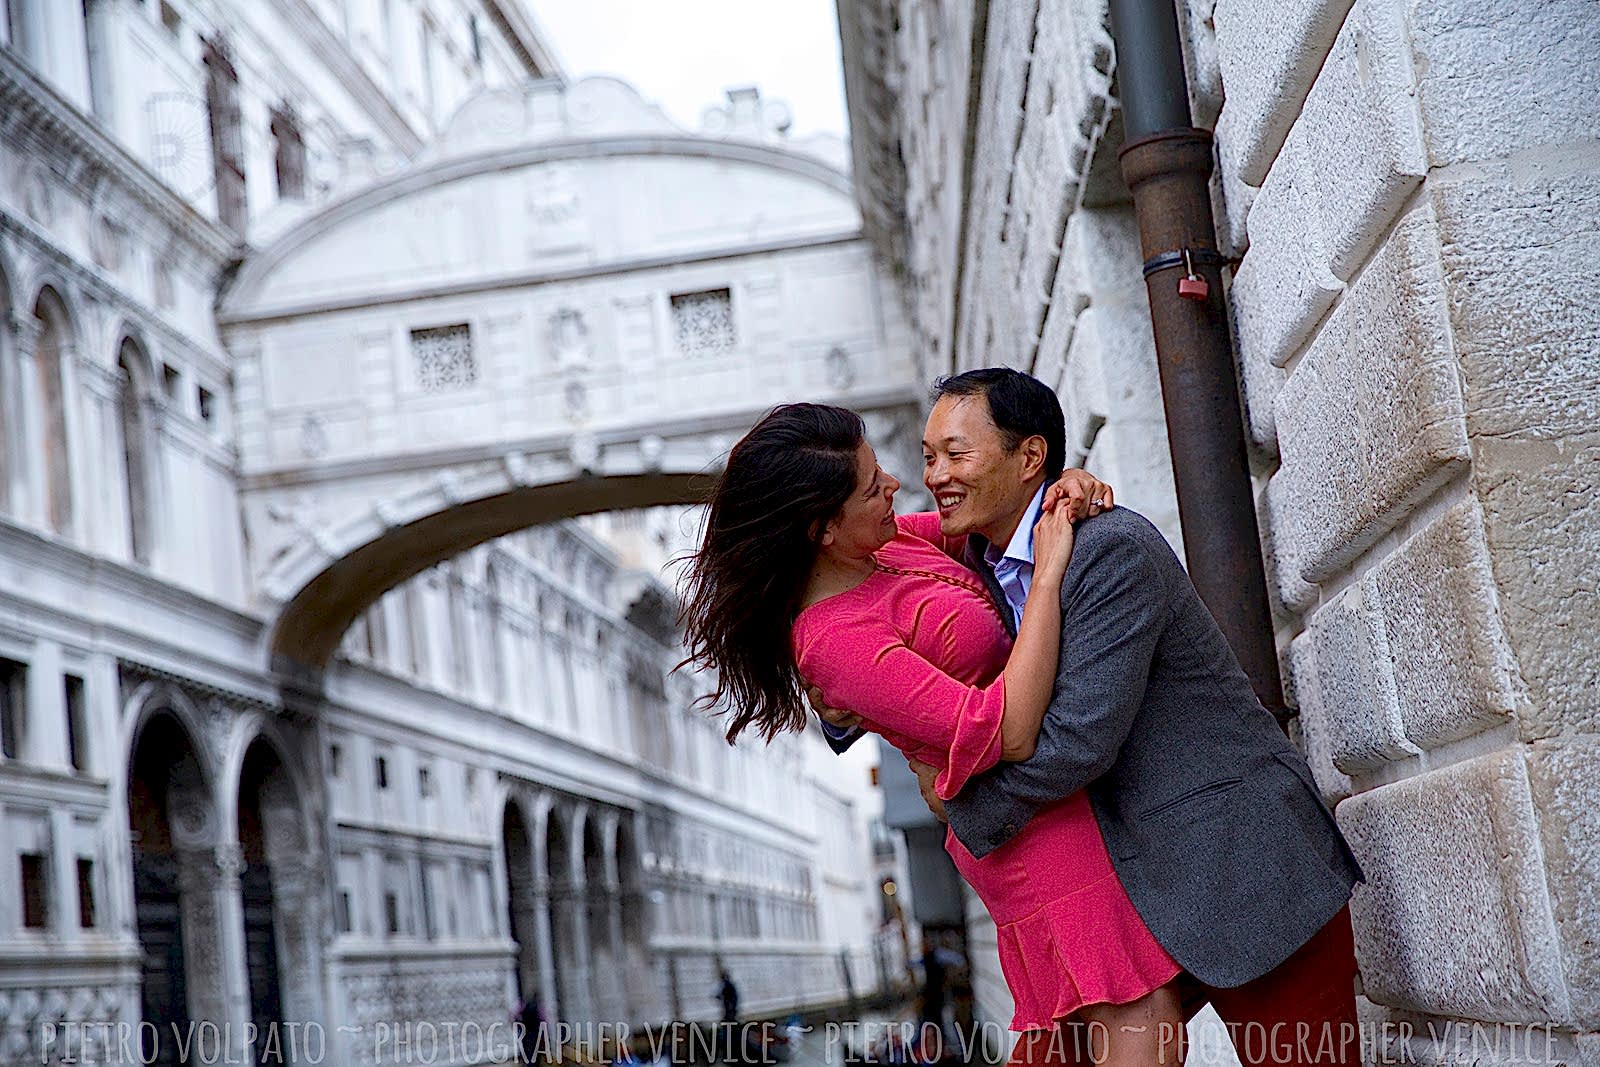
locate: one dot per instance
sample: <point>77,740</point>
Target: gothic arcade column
<point>299,903</point>
<point>212,919</point>
<point>623,1005</point>
<point>545,946</point>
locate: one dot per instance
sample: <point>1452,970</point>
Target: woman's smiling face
<point>866,522</point>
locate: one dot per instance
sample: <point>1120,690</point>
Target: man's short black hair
<point>1021,405</point>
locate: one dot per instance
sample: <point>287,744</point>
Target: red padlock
<point>1192,286</point>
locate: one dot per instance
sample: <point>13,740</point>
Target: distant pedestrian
<point>933,986</point>
<point>728,993</point>
<point>530,1014</point>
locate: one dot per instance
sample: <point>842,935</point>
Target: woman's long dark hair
<point>785,479</point>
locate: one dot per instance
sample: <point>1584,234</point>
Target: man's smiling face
<point>978,484</point>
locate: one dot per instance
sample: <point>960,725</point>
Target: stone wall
<point>1416,184</point>
<point>1411,189</point>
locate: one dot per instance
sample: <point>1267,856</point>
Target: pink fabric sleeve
<point>861,664</point>
<point>925,524</point>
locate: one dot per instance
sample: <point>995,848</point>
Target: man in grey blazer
<point>1213,822</point>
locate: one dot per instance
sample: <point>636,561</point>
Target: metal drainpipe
<point>1167,164</point>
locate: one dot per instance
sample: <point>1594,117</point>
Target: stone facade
<point>580,307</point>
<point>1409,189</point>
<point>498,789</point>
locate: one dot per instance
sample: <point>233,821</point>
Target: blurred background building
<point>302,721</point>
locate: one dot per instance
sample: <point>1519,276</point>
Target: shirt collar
<point>1020,548</point>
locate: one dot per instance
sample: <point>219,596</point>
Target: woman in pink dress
<point>805,573</point>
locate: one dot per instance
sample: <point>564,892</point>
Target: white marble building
<point>489,786</point>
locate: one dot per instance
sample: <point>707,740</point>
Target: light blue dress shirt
<point>1013,566</point>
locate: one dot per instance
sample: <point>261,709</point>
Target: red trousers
<point>1300,1013</point>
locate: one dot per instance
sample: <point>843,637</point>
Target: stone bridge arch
<point>571,306</point>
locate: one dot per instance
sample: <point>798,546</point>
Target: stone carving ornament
<point>703,322</point>
<point>444,358</point>
<point>841,374</point>
<point>37,200</point>
<point>179,131</point>
<point>313,437</point>
<point>569,339</point>
<point>576,398</point>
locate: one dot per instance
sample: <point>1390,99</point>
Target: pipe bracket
<point>1200,257</point>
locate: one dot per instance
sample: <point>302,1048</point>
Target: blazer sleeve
<point>862,663</point>
<point>1115,606</point>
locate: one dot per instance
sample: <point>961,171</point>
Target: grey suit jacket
<point>1209,812</point>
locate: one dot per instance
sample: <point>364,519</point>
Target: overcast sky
<point>684,53</point>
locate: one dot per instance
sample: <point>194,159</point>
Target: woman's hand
<point>835,717</point>
<point>1052,545</point>
<point>1081,493</point>
<point>926,775</point>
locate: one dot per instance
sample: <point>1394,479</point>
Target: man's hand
<point>836,717</point>
<point>926,773</point>
<point>1081,492</point>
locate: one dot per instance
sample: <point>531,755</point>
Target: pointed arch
<point>56,341</point>
<point>135,377</point>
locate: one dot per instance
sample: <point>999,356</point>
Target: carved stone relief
<point>569,339</point>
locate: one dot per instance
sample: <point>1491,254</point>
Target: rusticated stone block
<point>1084,401</point>
<point>1231,199</point>
<point>1355,705</point>
<point>1283,286</point>
<point>1102,245</point>
<point>1497,78</point>
<point>1282,553</point>
<point>1370,422</point>
<point>1269,51</point>
<point>1454,675</point>
<point>1565,781</point>
<point>1519,249</point>
<point>1413,655</point>
<point>1454,919</point>
<point>1543,532</point>
<point>1260,381</point>
<point>1359,134</point>
<point>1301,681</point>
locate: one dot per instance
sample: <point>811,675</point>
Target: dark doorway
<point>520,904</point>
<point>163,985</point>
<point>261,765</point>
<point>164,777</point>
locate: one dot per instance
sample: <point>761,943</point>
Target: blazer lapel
<point>973,558</point>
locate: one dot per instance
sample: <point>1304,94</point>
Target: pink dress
<point>917,651</point>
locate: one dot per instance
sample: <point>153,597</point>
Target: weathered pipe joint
<point>1169,174</point>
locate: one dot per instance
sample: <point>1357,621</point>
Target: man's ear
<point>1034,453</point>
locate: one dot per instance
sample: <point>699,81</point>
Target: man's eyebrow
<point>953,439</point>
